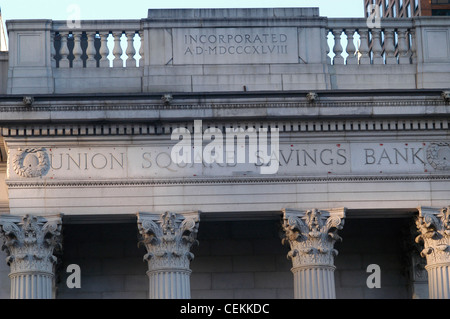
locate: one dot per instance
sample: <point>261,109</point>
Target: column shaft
<point>314,283</point>
<point>438,281</point>
<point>169,284</point>
<point>31,286</point>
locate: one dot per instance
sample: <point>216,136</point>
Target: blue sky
<point>102,9</point>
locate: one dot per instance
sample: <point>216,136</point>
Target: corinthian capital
<point>168,239</point>
<point>434,231</point>
<point>311,235</point>
<point>30,241</point>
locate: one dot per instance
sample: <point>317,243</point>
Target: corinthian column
<point>311,235</point>
<point>168,239</point>
<point>434,228</point>
<point>29,242</point>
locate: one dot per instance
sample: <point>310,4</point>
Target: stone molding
<point>168,238</point>
<point>311,235</point>
<point>234,180</point>
<point>30,242</point>
<point>66,107</point>
<point>434,231</point>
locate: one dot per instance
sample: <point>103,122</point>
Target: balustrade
<point>102,44</point>
<point>393,43</point>
<point>98,45</point>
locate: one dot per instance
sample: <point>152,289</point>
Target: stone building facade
<point>226,153</point>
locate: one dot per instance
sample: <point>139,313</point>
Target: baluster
<point>52,49</point>
<point>376,47</point>
<point>130,52</point>
<point>337,49</point>
<point>117,50</point>
<point>403,56</point>
<point>90,50</point>
<point>77,51</point>
<point>141,49</point>
<point>64,51</point>
<point>104,51</point>
<point>363,50</point>
<point>389,47</point>
<point>351,49</point>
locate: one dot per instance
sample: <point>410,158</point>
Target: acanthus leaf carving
<point>434,232</point>
<point>311,235</point>
<point>30,242</point>
<point>168,238</point>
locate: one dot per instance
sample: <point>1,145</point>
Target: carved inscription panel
<point>234,45</point>
<point>319,159</point>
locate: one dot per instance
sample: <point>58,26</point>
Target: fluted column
<point>168,239</point>
<point>311,235</point>
<point>434,231</point>
<point>30,242</point>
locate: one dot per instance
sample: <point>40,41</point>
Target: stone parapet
<point>281,49</point>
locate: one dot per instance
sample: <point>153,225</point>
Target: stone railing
<point>91,45</point>
<point>234,50</point>
<point>392,43</point>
